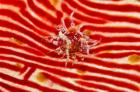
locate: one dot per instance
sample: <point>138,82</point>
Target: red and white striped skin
<point>25,53</point>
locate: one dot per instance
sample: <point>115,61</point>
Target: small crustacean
<point>70,41</point>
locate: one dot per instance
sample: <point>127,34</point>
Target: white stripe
<point>16,50</point>
<point>117,44</point>
<point>36,16</point>
<point>116,51</point>
<point>109,12</point>
<point>45,9</point>
<point>19,86</point>
<point>6,39</point>
<point>73,83</point>
<point>124,80</point>
<point>93,65</point>
<point>8,62</point>
<point>130,72</point>
<point>24,36</point>
<point>116,34</point>
<point>16,10</point>
<point>109,85</point>
<point>3,89</point>
<point>81,13</point>
<point>122,2</point>
<point>11,73</point>
<point>10,7</point>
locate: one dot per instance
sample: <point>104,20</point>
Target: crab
<point>71,41</point>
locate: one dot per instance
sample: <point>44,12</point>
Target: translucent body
<point>71,41</point>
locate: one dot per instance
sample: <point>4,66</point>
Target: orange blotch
<point>81,72</point>
<point>134,59</point>
<point>41,77</point>
<point>72,29</point>
<point>16,41</point>
<point>107,51</point>
<point>19,65</point>
<point>55,3</point>
<point>87,32</point>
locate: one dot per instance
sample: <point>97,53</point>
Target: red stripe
<point>110,81</point>
<point>115,47</point>
<point>77,66</point>
<point>102,15</point>
<point>82,17</point>
<point>112,29</point>
<point>27,83</point>
<point>66,84</point>
<point>24,40</point>
<point>16,17</point>
<point>38,23</point>
<point>27,32</point>
<point>112,64</point>
<point>10,88</point>
<point>8,66</point>
<point>47,4</point>
<point>114,7</point>
<point>108,38</point>
<point>41,12</point>
<point>92,85</point>
<point>23,69</point>
<point>17,3</point>
<point>52,67</point>
<point>29,73</point>
<point>28,49</point>
<point>67,74</point>
<point>117,55</point>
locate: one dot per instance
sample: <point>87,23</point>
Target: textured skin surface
<point>28,62</point>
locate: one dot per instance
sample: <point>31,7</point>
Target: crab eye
<point>59,27</point>
<point>77,36</point>
<point>72,24</point>
<point>63,31</point>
